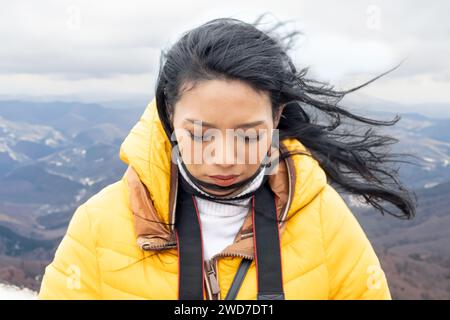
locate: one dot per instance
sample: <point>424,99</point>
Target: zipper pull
<point>212,278</point>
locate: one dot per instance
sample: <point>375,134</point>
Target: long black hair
<point>358,163</point>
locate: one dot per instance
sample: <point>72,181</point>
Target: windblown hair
<point>358,163</point>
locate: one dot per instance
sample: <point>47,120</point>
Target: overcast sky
<point>107,50</point>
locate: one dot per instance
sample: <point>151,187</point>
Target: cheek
<point>188,152</point>
<point>254,153</point>
<point>196,170</point>
<point>186,146</point>
<point>188,156</point>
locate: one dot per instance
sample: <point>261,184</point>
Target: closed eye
<point>248,139</point>
<point>206,138</point>
<point>201,138</point>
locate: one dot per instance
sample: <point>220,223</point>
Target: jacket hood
<point>147,152</point>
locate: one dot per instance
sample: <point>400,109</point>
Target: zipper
<point>212,283</point>
<point>166,245</point>
<point>212,273</point>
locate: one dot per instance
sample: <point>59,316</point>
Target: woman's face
<point>224,130</point>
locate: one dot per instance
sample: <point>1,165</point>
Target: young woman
<point>226,227</point>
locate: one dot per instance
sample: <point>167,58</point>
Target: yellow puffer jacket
<point>116,248</point>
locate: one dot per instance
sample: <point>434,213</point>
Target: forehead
<point>223,103</point>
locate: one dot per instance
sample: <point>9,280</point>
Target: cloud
<point>56,47</point>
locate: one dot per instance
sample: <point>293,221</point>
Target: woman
<point>136,237</point>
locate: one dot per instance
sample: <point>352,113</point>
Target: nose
<point>225,156</point>
<point>225,152</point>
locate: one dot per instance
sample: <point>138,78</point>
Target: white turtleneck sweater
<point>221,222</point>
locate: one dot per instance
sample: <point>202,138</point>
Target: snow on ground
<point>8,292</point>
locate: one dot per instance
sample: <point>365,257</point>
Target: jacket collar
<point>152,179</point>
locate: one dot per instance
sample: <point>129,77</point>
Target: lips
<point>224,180</point>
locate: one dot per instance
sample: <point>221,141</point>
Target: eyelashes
<point>198,138</point>
<point>203,138</point>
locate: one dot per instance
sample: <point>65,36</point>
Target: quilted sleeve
<point>73,273</point>
<point>354,269</point>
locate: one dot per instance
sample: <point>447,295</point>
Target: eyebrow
<point>243,125</point>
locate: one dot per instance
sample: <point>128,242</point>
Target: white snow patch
<point>430,185</point>
<point>80,195</point>
<point>12,154</point>
<point>88,181</point>
<point>8,292</point>
<point>63,157</point>
<point>79,151</point>
<point>51,142</point>
<point>16,131</point>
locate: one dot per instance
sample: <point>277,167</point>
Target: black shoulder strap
<point>267,251</point>
<point>190,249</point>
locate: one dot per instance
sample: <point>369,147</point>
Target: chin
<point>218,193</point>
